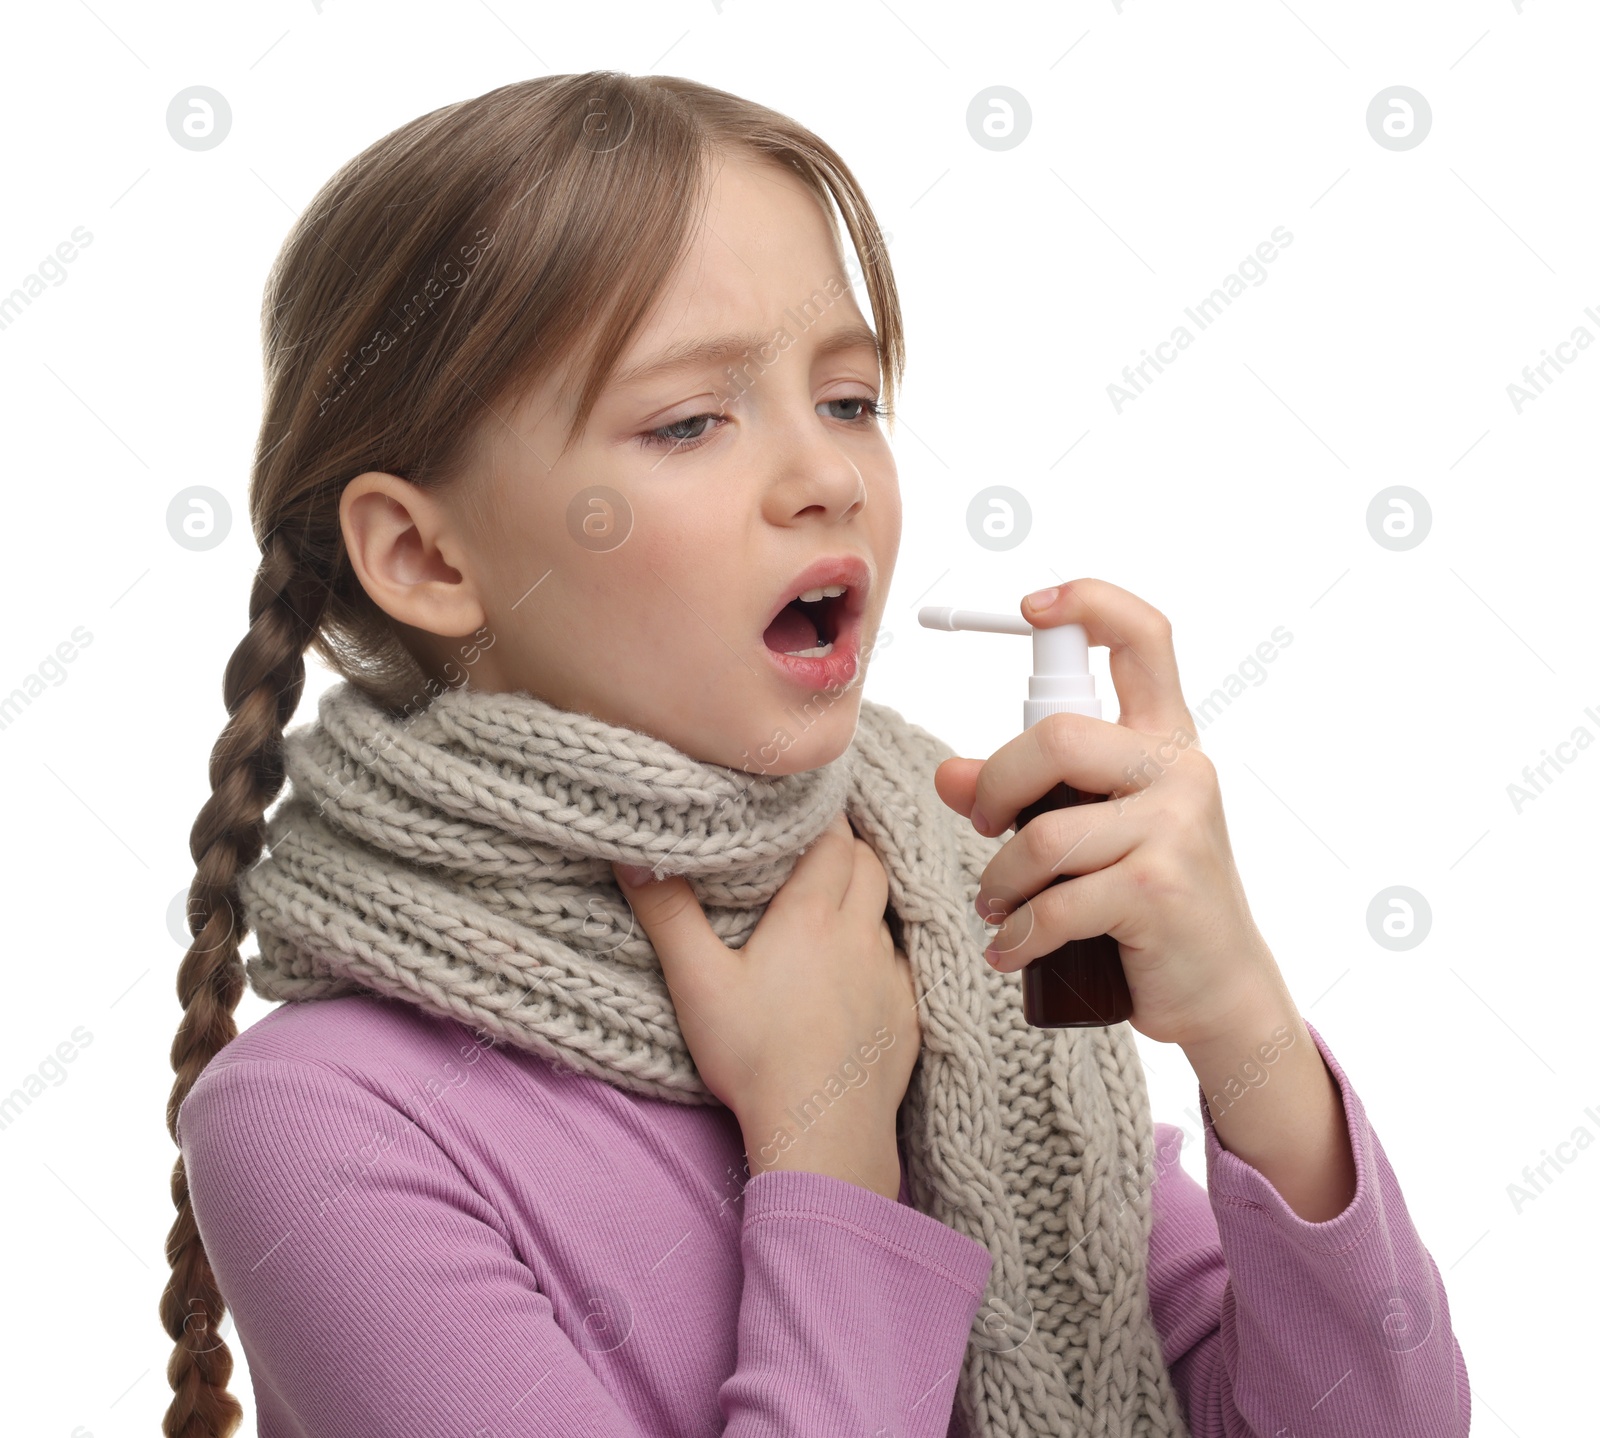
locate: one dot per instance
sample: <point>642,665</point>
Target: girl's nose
<point>812,470</point>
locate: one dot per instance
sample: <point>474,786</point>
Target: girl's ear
<point>409,556</point>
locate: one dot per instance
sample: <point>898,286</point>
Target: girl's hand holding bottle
<point>1151,862</point>
<point>1151,865</point>
<point>818,989</point>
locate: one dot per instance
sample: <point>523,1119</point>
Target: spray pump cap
<point>1061,679</point>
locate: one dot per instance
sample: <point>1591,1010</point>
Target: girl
<point>642,1074</point>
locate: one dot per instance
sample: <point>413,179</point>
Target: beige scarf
<point>458,859</point>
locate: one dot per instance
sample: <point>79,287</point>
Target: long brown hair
<point>460,259</point>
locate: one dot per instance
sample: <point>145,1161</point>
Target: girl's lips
<point>834,670</point>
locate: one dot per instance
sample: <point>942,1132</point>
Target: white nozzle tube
<point>1061,681</point>
<point>934,617</point>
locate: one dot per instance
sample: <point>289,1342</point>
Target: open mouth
<point>813,629</point>
<point>806,627</point>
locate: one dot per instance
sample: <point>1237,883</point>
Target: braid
<point>261,688</point>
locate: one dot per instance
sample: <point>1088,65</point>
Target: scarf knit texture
<point>458,859</point>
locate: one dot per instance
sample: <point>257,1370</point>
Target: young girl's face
<point>635,576</point>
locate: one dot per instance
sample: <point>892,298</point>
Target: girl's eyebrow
<point>712,349</point>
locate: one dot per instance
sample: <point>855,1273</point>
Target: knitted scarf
<point>458,859</point>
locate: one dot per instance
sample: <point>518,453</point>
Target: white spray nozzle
<point>1061,681</point>
<point>934,617</point>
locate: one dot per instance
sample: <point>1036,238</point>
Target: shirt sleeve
<point>1272,1325</point>
<point>377,1294</point>
<point>855,1315</point>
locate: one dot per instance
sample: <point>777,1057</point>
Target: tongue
<point>792,630</point>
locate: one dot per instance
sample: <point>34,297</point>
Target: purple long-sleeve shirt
<point>421,1233</point>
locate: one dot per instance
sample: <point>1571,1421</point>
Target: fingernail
<point>992,954</point>
<point>1042,598</point>
<point>634,874</point>
<point>980,821</point>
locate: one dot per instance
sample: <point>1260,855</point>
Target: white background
<point>1166,142</point>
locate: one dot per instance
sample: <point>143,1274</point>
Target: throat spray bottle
<point>1081,984</point>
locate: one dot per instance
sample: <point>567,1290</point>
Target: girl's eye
<point>677,435</point>
<point>870,408</point>
<point>684,434</point>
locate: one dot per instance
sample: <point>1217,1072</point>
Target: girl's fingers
<point>869,883</point>
<point>1056,844</point>
<point>1144,668</point>
<point>1080,908</point>
<point>828,864</point>
<point>1091,755</point>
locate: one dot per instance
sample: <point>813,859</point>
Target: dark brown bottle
<point>1081,984</point>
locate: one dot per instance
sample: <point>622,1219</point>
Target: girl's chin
<point>803,735</point>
